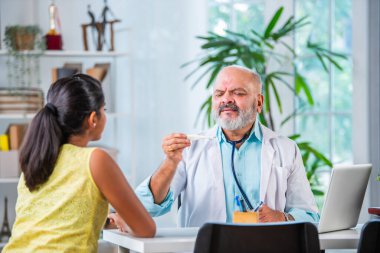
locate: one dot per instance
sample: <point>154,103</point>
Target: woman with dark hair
<point>65,186</point>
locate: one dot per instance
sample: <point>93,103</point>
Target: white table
<point>166,240</point>
<point>344,239</point>
<point>183,240</point>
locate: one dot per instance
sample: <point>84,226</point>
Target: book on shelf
<point>58,73</point>
<point>4,142</point>
<point>16,133</point>
<point>21,100</point>
<point>20,91</point>
<point>99,71</point>
<point>18,99</point>
<point>73,65</point>
<point>20,105</point>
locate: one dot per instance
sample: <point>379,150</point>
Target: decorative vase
<point>24,41</point>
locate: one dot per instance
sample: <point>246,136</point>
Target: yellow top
<point>65,214</point>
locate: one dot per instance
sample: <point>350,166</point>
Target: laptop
<point>344,197</point>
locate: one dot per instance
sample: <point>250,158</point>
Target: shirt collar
<point>254,136</point>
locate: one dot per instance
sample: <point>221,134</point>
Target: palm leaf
<point>214,74</point>
<point>276,95</point>
<point>302,85</point>
<point>273,22</point>
<point>317,192</point>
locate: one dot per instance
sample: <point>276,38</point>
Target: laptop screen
<point>344,197</point>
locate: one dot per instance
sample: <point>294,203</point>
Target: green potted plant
<point>255,50</point>
<point>24,46</point>
<point>21,37</point>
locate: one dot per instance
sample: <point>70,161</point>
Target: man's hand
<point>173,145</point>
<point>269,215</point>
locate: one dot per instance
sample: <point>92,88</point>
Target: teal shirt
<point>247,163</point>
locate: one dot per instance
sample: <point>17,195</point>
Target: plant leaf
<point>322,62</point>
<point>301,84</point>
<point>213,75</point>
<point>317,192</point>
<point>278,100</point>
<point>273,22</point>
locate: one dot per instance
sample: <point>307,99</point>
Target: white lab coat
<point>199,179</point>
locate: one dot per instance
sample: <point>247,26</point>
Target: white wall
<point>160,36</point>
<point>360,110</point>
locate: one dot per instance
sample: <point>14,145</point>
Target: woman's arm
<point>114,186</point>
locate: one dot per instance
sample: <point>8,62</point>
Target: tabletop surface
<point>183,239</point>
<point>166,240</point>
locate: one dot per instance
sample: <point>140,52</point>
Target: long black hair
<point>69,101</point>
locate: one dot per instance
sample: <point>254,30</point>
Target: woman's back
<point>66,213</point>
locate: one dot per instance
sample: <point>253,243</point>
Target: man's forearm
<point>161,180</point>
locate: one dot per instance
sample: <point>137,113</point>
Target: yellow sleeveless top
<point>67,212</point>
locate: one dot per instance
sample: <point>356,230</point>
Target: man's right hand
<point>173,145</point>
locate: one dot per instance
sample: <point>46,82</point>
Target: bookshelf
<point>9,180</point>
<point>71,53</point>
<point>119,83</point>
<point>29,116</point>
<point>119,89</point>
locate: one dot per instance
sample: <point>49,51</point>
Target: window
<point>328,124</point>
<point>235,15</point>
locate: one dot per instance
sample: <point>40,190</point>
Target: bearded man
<point>240,163</point>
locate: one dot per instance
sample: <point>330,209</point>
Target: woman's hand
<point>116,220</point>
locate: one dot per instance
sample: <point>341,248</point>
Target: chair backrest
<point>262,238</point>
<point>370,237</point>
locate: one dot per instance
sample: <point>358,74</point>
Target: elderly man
<point>241,159</point>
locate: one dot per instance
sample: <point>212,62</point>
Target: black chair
<point>370,237</point>
<point>282,237</point>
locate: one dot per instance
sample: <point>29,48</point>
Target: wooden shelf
<point>17,115</point>
<point>118,115</point>
<point>12,180</point>
<point>70,53</point>
<point>31,115</point>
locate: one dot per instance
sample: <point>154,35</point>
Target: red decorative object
<point>374,210</point>
<point>53,42</point>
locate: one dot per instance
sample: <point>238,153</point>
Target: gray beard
<point>244,118</point>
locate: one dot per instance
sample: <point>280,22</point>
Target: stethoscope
<point>244,195</point>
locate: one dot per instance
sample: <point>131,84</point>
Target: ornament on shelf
<point>98,29</point>
<point>53,37</point>
<point>5,232</point>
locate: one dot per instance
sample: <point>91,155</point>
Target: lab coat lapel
<point>267,155</point>
<point>216,166</point>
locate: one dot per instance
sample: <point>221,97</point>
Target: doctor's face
<point>236,98</point>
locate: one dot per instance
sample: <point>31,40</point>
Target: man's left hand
<point>269,215</point>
